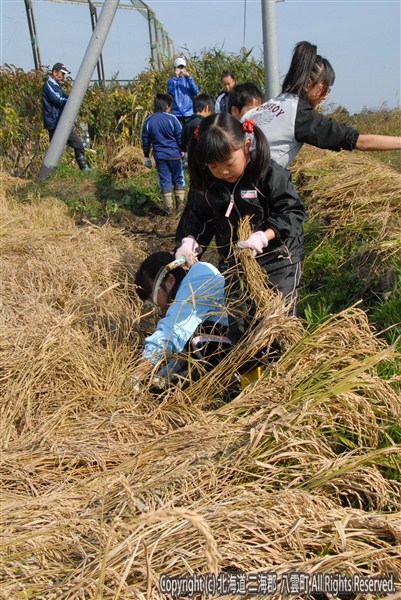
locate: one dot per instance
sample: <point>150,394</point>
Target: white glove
<point>188,249</point>
<point>256,242</point>
<point>147,162</point>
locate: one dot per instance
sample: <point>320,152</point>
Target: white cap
<point>180,62</point>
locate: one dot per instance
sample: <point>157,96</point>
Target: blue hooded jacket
<point>182,89</point>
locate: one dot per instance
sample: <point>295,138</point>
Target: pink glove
<point>256,242</point>
<point>188,249</point>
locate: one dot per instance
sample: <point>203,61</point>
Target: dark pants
<point>74,142</point>
<point>209,343</point>
<point>240,306</point>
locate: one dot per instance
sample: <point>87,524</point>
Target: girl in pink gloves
<point>229,163</point>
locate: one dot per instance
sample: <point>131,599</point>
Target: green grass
<point>338,273</point>
<point>328,283</point>
<point>95,195</point>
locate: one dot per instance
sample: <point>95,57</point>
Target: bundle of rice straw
<point>127,163</point>
<point>352,192</point>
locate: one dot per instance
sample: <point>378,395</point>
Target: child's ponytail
<point>260,155</point>
<point>307,64</point>
<point>301,67</point>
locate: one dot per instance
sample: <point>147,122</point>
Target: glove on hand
<point>188,248</point>
<point>256,242</point>
<point>147,162</point>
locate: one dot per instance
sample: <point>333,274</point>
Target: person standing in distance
<point>244,97</point>
<point>290,119</point>
<point>227,79</point>
<point>203,107</point>
<point>182,88</point>
<point>53,102</point>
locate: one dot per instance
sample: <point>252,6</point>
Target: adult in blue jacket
<point>182,88</point>
<point>53,102</point>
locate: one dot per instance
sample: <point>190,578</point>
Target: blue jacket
<point>53,102</point>
<point>200,297</point>
<point>182,89</point>
<point>162,131</point>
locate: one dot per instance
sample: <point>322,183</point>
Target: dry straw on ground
<point>352,192</point>
<point>103,488</point>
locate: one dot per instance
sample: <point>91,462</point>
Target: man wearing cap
<point>53,102</point>
<point>182,88</point>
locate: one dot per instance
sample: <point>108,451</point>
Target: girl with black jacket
<point>230,164</point>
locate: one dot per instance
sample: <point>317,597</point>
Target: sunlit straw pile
<point>128,162</point>
<point>352,192</point>
<point>104,487</point>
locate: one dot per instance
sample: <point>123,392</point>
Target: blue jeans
<point>170,173</point>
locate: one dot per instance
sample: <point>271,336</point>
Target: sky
<point>361,38</point>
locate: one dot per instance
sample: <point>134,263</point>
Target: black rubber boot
<point>81,161</point>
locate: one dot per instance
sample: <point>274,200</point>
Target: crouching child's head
<point>149,287</point>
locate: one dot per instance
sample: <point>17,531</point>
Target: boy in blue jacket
<point>53,102</point>
<point>162,131</point>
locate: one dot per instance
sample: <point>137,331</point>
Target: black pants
<point>74,142</point>
<point>210,351</point>
<point>240,306</point>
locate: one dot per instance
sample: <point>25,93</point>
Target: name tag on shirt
<point>249,194</point>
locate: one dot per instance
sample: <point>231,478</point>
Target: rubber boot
<point>81,161</point>
<point>167,198</point>
<point>179,199</point>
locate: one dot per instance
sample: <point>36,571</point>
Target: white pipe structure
<point>157,52</point>
<point>79,89</point>
<point>270,55</point>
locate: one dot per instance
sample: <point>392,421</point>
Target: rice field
<point>108,491</point>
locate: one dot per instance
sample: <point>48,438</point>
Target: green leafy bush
<point>22,137</point>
